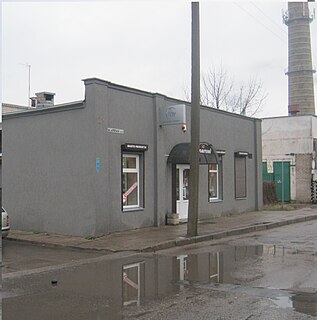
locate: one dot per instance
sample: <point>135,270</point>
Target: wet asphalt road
<point>20,256</point>
<point>265,275</point>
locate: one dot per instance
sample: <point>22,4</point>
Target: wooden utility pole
<point>195,126</point>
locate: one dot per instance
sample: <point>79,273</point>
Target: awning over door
<point>180,154</point>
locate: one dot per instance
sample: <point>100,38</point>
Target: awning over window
<point>180,154</point>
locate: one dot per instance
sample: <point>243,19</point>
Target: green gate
<point>281,177</point>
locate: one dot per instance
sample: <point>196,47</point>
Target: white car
<point>5,225</point>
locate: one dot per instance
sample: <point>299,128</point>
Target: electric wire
<point>269,18</point>
<point>257,20</point>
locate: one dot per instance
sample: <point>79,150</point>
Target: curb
<point>64,246</point>
<point>219,235</point>
<point>181,241</point>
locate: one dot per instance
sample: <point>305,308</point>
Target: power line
<point>257,20</point>
<point>268,17</point>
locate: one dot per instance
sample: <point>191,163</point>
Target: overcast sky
<point>142,44</point>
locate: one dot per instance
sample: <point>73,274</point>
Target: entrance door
<point>182,190</point>
<point>281,177</point>
<point>282,180</point>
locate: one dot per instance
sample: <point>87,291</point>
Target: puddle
<point>103,288</point>
<point>283,302</point>
<point>302,302</point>
<point>305,302</point>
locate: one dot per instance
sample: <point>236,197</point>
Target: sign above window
<point>205,148</point>
<point>221,152</point>
<point>135,147</point>
<point>241,154</point>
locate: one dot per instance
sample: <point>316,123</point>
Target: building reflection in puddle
<point>107,286</point>
<point>163,275</point>
<point>305,302</point>
<point>197,268</point>
<point>133,283</point>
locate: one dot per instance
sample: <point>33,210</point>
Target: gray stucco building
<point>110,162</point>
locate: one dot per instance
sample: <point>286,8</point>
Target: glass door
<point>182,190</point>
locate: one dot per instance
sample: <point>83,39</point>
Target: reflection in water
<point>132,280</point>
<point>305,302</point>
<point>214,267</point>
<point>181,269</point>
<point>97,290</point>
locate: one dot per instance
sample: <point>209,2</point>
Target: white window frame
<point>132,170</point>
<point>136,286</point>
<point>217,175</point>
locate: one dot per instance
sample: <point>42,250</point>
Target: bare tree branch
<point>251,98</point>
<point>216,88</point>
<point>218,92</point>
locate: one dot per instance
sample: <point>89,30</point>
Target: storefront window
<point>213,182</point>
<point>130,181</point>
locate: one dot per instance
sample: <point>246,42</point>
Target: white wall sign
<point>115,130</point>
<point>205,148</point>
<point>135,147</point>
<point>175,114</point>
<point>270,167</point>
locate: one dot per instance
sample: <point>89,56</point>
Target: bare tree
<point>218,91</point>
<point>216,88</point>
<point>249,99</point>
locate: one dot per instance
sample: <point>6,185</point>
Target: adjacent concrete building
<point>290,144</point>
<point>119,160</point>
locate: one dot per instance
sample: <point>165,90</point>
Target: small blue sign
<point>98,165</point>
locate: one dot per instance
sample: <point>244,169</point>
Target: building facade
<point>291,142</point>
<point>117,160</point>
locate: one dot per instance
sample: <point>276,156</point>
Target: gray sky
<point>142,44</point>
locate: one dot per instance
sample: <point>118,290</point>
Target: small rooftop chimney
<point>43,100</point>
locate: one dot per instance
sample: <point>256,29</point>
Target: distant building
<point>289,155</point>
<point>10,108</point>
<point>289,143</point>
<point>119,160</point>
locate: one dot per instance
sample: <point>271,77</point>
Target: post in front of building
<point>195,126</point>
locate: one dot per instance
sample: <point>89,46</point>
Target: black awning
<point>180,154</point>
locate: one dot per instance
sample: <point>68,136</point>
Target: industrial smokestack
<point>300,68</point>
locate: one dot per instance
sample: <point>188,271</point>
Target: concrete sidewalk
<point>157,238</point>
